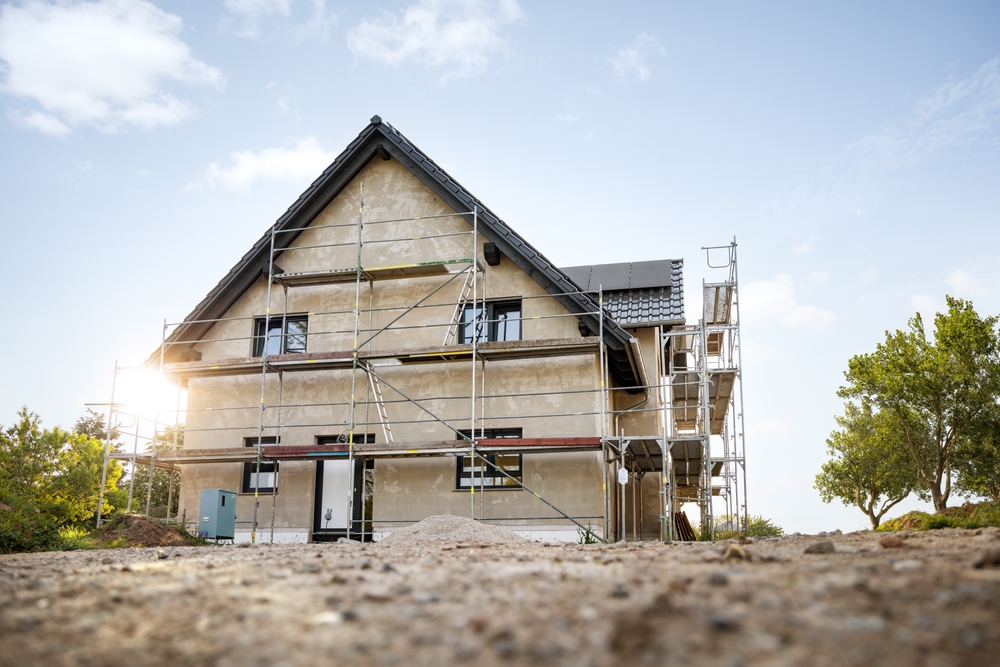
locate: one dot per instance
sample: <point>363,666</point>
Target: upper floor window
<point>285,335</point>
<point>493,321</point>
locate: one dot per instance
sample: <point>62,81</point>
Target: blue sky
<point>852,149</point>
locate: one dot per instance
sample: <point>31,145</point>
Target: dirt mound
<point>447,528</point>
<point>139,531</point>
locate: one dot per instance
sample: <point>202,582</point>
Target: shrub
<point>969,515</point>
<point>757,526</point>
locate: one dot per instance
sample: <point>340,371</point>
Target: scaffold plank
<point>312,361</point>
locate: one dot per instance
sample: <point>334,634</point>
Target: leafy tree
<point>937,390</point>
<point>92,424</point>
<point>870,465</point>
<point>52,480</point>
<point>164,441</point>
<point>978,466</point>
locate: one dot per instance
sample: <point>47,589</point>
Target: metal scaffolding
<point>694,388</point>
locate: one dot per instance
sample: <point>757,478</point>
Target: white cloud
<point>630,61</point>
<point>965,285</point>
<point>102,63</point>
<point>247,16</point>
<point>42,122</point>
<point>805,247</point>
<point>960,112</point>
<point>776,300</point>
<point>301,163</point>
<point>869,276</point>
<point>589,136</point>
<point>954,115</point>
<point>460,36</point>
<point>566,118</point>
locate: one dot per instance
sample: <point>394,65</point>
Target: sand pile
<point>447,528</point>
<point>139,531</point>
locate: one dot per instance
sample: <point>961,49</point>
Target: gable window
<point>487,473</point>
<point>265,479</point>
<point>498,320</point>
<point>285,335</point>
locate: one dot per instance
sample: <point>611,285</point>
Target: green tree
<point>978,466</point>
<point>164,441</point>
<point>92,424</point>
<point>51,478</point>
<point>937,389</point>
<point>870,466</point>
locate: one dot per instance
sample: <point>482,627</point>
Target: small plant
<point>730,527</point>
<point>587,536</point>
<point>75,539</point>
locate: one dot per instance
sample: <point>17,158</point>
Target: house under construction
<point>390,350</point>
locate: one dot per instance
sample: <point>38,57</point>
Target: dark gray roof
<point>636,293</point>
<point>382,140</point>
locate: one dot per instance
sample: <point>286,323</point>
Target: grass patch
<point>969,515</point>
<point>76,539</point>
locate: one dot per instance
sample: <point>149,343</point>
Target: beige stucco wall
<point>413,489</point>
<point>224,410</point>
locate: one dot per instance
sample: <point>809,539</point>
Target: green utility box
<point>217,516</point>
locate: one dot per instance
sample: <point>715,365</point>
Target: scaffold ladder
<point>383,416</point>
<point>463,298</point>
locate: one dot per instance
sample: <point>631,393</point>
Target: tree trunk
<point>940,502</point>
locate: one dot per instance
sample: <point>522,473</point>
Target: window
<point>359,438</point>
<point>292,342</point>
<point>502,321</point>
<point>487,473</point>
<point>264,480</point>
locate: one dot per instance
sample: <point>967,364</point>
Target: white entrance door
<point>334,500</point>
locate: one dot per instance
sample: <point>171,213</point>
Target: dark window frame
<point>358,438</point>
<point>292,342</point>
<point>498,324</point>
<point>250,467</point>
<point>492,480</point>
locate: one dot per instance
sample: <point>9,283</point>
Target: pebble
<point>989,558</point>
<point>824,547</point>
<point>326,618</point>
<point>161,554</point>
<point>907,565</point>
<point>724,621</point>
<point>735,552</point>
<point>890,542</point>
<point>718,579</point>
<point>620,591</point>
<point>869,623</point>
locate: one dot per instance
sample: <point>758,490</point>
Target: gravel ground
<point>435,603</point>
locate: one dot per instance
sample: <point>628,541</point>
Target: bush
<point>969,515</point>
<point>23,528</point>
<point>758,526</point>
<point>76,539</point>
